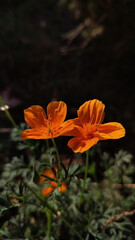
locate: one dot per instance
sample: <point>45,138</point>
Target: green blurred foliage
<point>23,215</point>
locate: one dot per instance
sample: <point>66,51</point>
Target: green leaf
<point>3,209</point>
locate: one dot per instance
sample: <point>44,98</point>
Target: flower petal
<point>49,173</point>
<point>56,112</point>
<point>77,122</point>
<point>112,130</point>
<point>81,145</point>
<point>73,128</point>
<point>66,127</point>
<point>35,133</point>
<point>92,112</point>
<point>35,116</point>
<point>47,190</point>
<point>63,187</point>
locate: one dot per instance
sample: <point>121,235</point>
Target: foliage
<point>40,41</point>
<point>23,215</point>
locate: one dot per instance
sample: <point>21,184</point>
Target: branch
<point>118,217</point>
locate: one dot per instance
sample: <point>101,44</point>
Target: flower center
<point>49,129</point>
<point>90,131</point>
<point>90,136</point>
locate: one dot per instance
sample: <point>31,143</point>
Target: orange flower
<point>53,184</point>
<point>88,129</point>
<point>45,127</point>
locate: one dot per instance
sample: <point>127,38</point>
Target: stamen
<point>90,136</point>
<point>49,129</point>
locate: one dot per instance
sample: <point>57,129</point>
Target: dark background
<point>72,51</point>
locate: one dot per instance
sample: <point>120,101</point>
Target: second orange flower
<point>88,128</point>
<point>46,126</point>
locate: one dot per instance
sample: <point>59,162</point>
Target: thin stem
<point>7,113</point>
<point>85,177</point>
<point>47,145</point>
<point>53,210</point>
<point>118,217</point>
<point>35,193</point>
<point>22,199</point>
<point>52,179</point>
<point>58,157</point>
<point>73,230</point>
<point>48,214</point>
<point>42,199</point>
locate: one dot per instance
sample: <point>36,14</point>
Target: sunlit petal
<point>66,127</point>
<point>92,112</point>
<point>35,116</point>
<point>56,112</point>
<point>35,133</point>
<point>72,128</point>
<point>81,145</point>
<point>77,122</point>
<point>112,130</point>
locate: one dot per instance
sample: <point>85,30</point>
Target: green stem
<point>58,158</point>
<point>48,214</point>
<point>73,230</point>
<point>35,193</point>
<point>42,199</point>
<point>7,113</point>
<point>47,145</point>
<point>53,210</point>
<point>52,179</point>
<point>85,177</point>
<point>22,199</point>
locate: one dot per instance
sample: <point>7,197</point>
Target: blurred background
<point>70,50</point>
